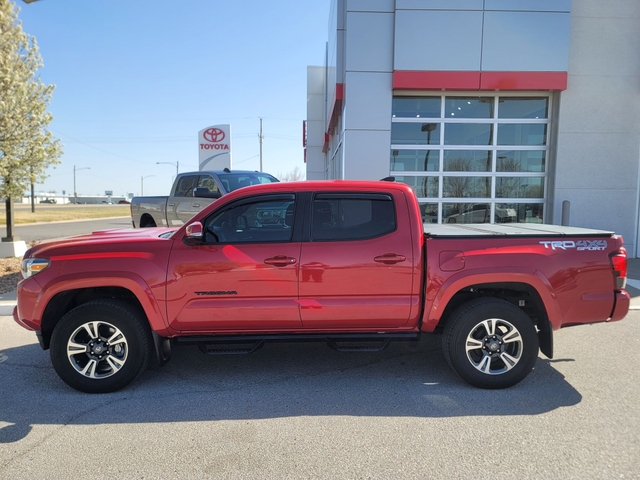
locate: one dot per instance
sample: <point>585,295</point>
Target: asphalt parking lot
<point>306,411</point>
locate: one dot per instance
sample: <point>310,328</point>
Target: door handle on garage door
<point>280,261</point>
<point>390,258</point>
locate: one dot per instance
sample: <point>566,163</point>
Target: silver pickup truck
<point>191,192</point>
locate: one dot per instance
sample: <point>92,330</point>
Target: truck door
<point>244,275</point>
<point>180,204</point>
<point>357,270</point>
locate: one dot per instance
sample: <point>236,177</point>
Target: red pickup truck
<point>344,262</point>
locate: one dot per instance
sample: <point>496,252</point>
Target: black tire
<point>490,359</point>
<point>116,342</point>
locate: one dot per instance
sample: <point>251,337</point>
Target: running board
<point>359,345</point>
<point>230,348</point>
<point>342,342</point>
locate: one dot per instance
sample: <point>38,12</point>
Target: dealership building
<point>492,110</point>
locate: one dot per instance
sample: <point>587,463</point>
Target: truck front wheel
<point>490,343</point>
<point>100,346</point>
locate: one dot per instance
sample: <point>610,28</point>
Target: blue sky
<point>137,79</point>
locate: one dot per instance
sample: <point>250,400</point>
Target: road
<point>45,231</point>
<point>306,411</point>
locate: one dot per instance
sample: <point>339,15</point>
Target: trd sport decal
<point>580,245</point>
<point>222,292</point>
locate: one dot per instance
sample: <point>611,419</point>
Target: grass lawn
<point>56,213</point>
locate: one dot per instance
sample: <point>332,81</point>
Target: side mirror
<point>194,231</point>
<point>203,192</point>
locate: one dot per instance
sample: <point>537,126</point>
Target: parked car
<point>191,192</point>
<point>343,262</point>
<point>48,200</point>
<point>123,202</point>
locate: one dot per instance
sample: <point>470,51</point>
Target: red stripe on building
<point>336,108</point>
<point>422,80</point>
<point>523,81</point>
<point>465,80</point>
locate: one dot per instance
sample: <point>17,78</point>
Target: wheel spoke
<point>473,344</point>
<point>490,326</point>
<point>512,336</point>
<point>509,361</point>
<point>114,363</point>
<point>92,329</point>
<point>90,369</point>
<point>117,338</point>
<point>485,364</point>
<point>74,348</point>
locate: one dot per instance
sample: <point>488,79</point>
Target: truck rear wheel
<point>490,343</point>
<point>100,346</point>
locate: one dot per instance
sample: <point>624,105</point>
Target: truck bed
<point>449,230</point>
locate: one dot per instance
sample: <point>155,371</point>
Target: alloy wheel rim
<point>494,346</point>
<point>97,350</point>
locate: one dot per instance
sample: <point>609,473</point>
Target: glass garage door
<point>473,159</point>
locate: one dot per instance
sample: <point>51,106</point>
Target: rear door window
<point>337,217</point>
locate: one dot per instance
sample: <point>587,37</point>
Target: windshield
<point>234,181</point>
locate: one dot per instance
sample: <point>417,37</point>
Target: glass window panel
<point>429,212</point>
<point>465,187</point>
<point>462,107</point>
<point>466,213</point>
<point>523,212</point>
<point>521,161</point>
<point>416,107</point>
<point>467,161</point>
<point>519,187</point>
<point>415,160</point>
<point>523,107</point>
<point>351,219</point>
<point>521,134</point>
<point>415,133</point>
<point>423,186</point>
<point>467,134</point>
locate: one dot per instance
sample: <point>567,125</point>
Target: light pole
<point>142,184</point>
<point>177,164</point>
<point>75,193</point>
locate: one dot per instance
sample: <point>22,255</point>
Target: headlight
<point>31,266</point>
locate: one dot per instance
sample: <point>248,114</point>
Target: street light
<point>75,193</point>
<point>142,184</point>
<point>177,164</point>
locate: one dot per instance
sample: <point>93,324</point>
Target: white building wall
<point>316,122</point>
<point>598,152</point>
<point>366,134</point>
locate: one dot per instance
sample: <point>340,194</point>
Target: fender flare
<point>127,280</point>
<point>534,278</point>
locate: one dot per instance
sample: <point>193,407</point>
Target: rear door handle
<point>196,205</point>
<point>171,204</point>
<point>280,261</point>
<point>390,258</point>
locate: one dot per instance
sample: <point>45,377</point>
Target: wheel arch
<point>147,220</point>
<point>65,296</point>
<point>529,293</point>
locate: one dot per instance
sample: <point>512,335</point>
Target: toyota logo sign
<point>213,135</point>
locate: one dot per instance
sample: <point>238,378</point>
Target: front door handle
<point>196,205</point>
<point>280,261</point>
<point>390,258</point>
<point>171,204</point>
